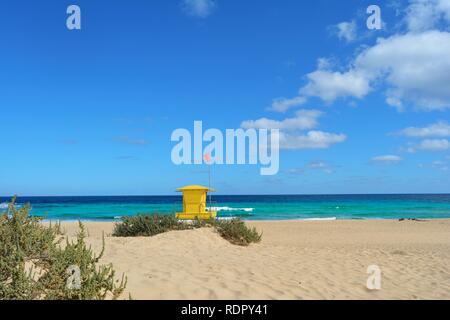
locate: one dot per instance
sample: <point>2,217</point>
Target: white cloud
<point>283,104</point>
<point>320,165</point>
<point>423,15</point>
<point>199,8</point>
<point>329,85</point>
<point>304,120</point>
<point>324,64</point>
<point>313,165</point>
<point>345,31</point>
<point>412,66</point>
<point>415,68</point>
<point>290,136</point>
<point>387,159</point>
<point>433,145</point>
<point>439,129</point>
<point>395,102</point>
<point>310,140</point>
<point>444,6</point>
<point>440,165</point>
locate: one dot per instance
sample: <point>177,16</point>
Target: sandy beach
<point>295,260</point>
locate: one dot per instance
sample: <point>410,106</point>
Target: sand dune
<point>295,260</point>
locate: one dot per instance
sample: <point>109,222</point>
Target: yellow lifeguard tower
<point>194,204</point>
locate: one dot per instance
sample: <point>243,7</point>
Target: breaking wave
<point>321,219</point>
<point>219,209</point>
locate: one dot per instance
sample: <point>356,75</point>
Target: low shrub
<point>147,225</point>
<point>34,264</point>
<point>235,231</point>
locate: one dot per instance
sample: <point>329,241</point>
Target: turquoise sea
<point>260,207</point>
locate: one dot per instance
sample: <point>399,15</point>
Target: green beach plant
<point>147,225</point>
<point>237,232</point>
<point>35,265</point>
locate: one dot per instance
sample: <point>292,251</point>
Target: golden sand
<point>295,260</point>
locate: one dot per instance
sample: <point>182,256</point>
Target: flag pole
<point>210,204</point>
<point>208,161</point>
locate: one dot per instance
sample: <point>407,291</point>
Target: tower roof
<point>195,187</point>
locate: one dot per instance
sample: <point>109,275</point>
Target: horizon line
<point>234,195</point>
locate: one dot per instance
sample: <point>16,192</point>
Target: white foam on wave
<point>4,205</point>
<point>226,218</point>
<point>217,209</point>
<point>320,219</point>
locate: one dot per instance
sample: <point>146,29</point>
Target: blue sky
<point>91,111</point>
